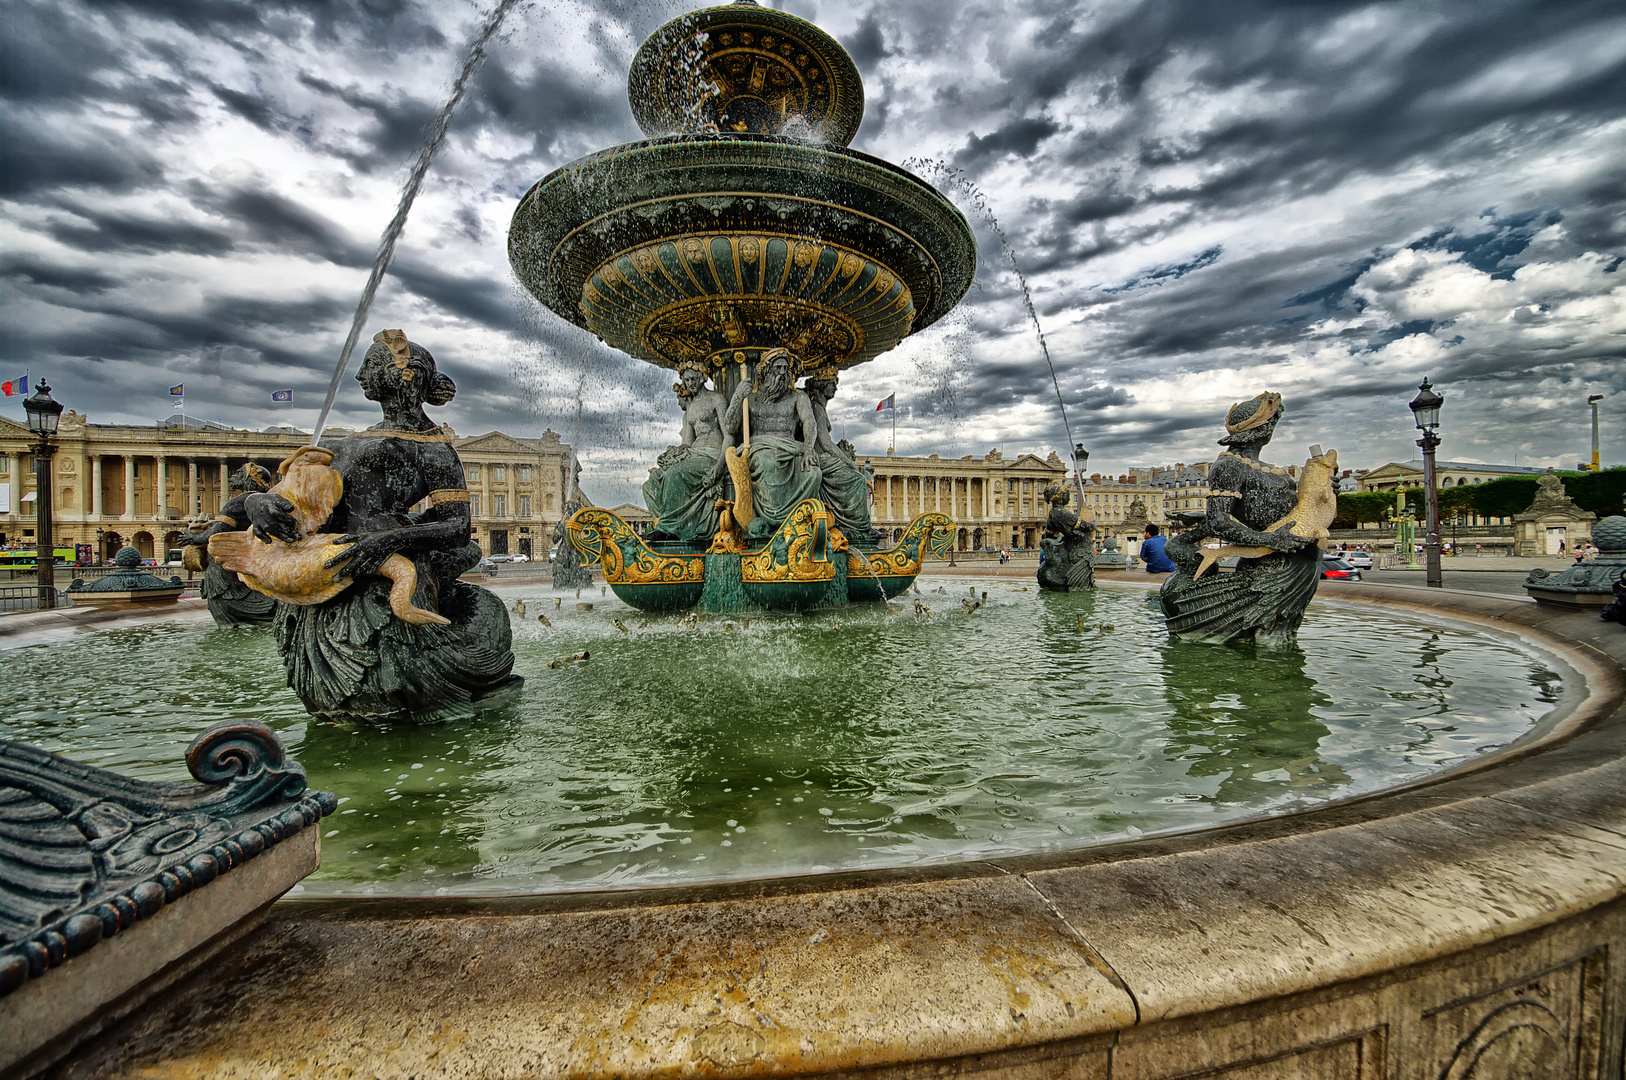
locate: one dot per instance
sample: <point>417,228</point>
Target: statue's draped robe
<point>230,601</point>
<point>681,498</point>
<point>1262,599</point>
<point>350,657</point>
<point>780,478</point>
<point>845,492</point>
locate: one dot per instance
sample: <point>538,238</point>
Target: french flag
<point>889,402</point>
<point>14,386</point>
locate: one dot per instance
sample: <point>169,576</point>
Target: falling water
<point>950,176</point>
<point>392,232</point>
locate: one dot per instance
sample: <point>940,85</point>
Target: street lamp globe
<point>1081,456</point>
<point>43,411</point>
<point>1426,408</point>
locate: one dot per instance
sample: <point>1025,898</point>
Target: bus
<point>24,558</point>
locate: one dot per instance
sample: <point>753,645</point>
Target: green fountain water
<point>861,739</point>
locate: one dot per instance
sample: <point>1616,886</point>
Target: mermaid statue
<point>687,481</point>
<point>843,486</point>
<point>441,649</point>
<point>1273,523</point>
<point>231,602</point>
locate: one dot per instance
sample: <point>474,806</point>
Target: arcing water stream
<point>949,176</point>
<point>392,232</point>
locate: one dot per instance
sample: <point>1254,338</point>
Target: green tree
<point>1358,507</point>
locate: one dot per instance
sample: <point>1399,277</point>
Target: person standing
<point>1151,551</point>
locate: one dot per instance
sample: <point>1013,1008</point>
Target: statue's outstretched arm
<point>1224,524</point>
<point>736,408</point>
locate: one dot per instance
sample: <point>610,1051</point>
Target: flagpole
<point>894,424</point>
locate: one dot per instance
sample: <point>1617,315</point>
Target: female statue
<point>683,488</point>
<point>351,657</point>
<point>844,489</point>
<point>1248,505</point>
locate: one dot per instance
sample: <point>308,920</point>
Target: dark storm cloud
<point>1329,198</point>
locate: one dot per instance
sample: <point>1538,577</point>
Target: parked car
<point>499,558</point>
<point>485,566</point>
<point>1360,560</point>
<point>1334,567</point>
<point>521,558</point>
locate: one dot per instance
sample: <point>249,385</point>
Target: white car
<point>1360,560</point>
<point>520,558</point>
<point>499,558</point>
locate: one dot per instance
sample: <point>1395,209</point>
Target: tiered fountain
<point>742,230</point>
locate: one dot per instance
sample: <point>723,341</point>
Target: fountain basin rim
<point>1277,937</point>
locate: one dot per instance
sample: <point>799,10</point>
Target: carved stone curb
<point>86,852</point>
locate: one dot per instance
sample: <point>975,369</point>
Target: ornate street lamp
<point>1426,408</point>
<point>1081,458</point>
<point>43,413</point>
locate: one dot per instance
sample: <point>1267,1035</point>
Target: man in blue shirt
<point>1151,552</point>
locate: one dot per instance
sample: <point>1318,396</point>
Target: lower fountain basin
<point>783,745</point>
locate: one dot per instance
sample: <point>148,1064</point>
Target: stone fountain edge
<point>1391,929</point>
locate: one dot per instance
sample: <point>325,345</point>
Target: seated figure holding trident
<point>779,469</point>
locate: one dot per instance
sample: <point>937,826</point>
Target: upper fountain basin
<point>703,247</point>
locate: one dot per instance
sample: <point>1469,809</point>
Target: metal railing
<point>28,598</point>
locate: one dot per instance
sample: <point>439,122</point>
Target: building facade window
<point>524,506</point>
<point>525,474</point>
<point>474,506</point>
<point>499,474</point>
<point>473,469</point>
<point>499,506</point>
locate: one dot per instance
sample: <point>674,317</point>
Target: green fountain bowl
<point>714,247</point>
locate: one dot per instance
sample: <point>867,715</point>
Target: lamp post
<point>43,412</point>
<point>1426,408</point>
<point>1593,400</point>
<point>1081,458</point>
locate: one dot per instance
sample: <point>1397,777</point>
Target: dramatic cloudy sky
<point>1329,200</point>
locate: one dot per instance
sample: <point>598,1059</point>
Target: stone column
<point>15,475</point>
<point>511,471</point>
<point>129,488</point>
<point>985,503</point>
<point>191,487</point>
<point>225,490</point>
<point>937,493</point>
<point>160,491</point>
<point>96,488</point>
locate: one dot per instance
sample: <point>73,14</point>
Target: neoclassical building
<point>1398,475</point>
<point>118,484</point>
